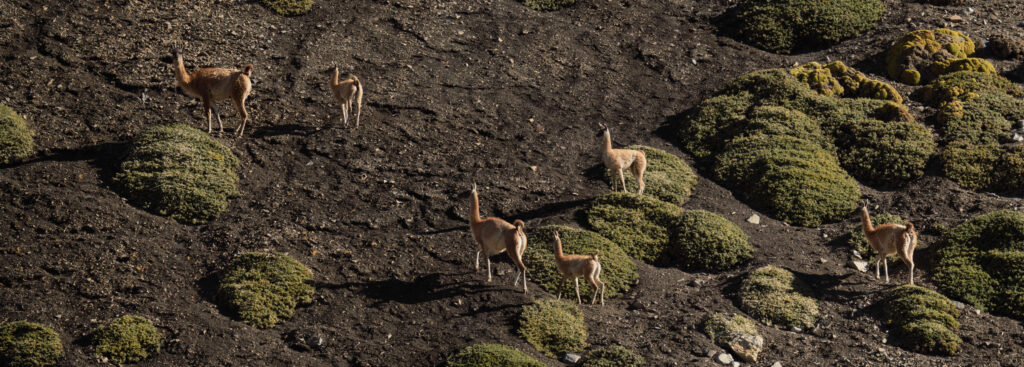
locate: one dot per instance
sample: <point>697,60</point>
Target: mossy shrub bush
<point>612,356</point>
<point>885,153</point>
<point>721,329</point>
<point>705,241</point>
<point>922,320</point>
<point>785,26</point>
<point>640,225</point>
<point>128,339</point>
<point>960,85</point>
<point>835,79</point>
<point>775,297</point>
<point>15,137</point>
<point>667,177</point>
<point>860,243</point>
<point>981,261</point>
<point>618,272</point>
<point>554,327</point>
<point>264,289</point>
<point>179,172</point>
<point>28,344</point>
<point>491,355</point>
<point>547,5</point>
<point>289,7</point>
<point>922,55</point>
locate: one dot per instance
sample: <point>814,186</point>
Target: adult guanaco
<point>888,239</point>
<point>576,266</point>
<point>495,236</point>
<point>216,84</point>
<point>619,159</point>
<point>346,92</point>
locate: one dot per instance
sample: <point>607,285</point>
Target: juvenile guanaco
<point>888,239</point>
<point>495,236</point>
<point>216,84</point>
<point>344,92</point>
<point>576,266</point>
<point>620,159</point>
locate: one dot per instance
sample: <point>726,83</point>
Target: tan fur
<point>495,236</point>
<point>216,84</point>
<point>576,266</point>
<point>619,159</point>
<point>345,92</point>
<point>888,239</point>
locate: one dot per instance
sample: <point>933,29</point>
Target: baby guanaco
<point>576,266</point>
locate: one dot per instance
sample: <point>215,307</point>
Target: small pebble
<point>724,358</point>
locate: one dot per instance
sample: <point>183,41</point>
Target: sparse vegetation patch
<point>288,7</point>
<point>129,339</point>
<point>776,297</point>
<point>612,356</point>
<point>491,355</point>
<point>28,344</point>
<point>15,137</point>
<point>554,327</point>
<point>618,271</point>
<point>264,289</point>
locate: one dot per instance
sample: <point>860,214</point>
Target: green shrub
<point>618,272</point>
<point>612,356</point>
<point>958,85</point>
<point>922,320</point>
<point>547,5</point>
<point>289,7</point>
<point>129,339</point>
<point>721,329</point>
<point>491,355</point>
<point>784,26</point>
<point>15,137</point>
<point>179,172</point>
<point>28,344</point>
<point>553,327</point>
<point>789,151</point>
<point>706,241</point>
<point>838,80</point>
<point>774,296</point>
<point>667,177</point>
<point>981,262</point>
<point>640,225</point>
<point>970,64</point>
<point>264,289</point>
<point>923,55</point>
<point>860,243</point>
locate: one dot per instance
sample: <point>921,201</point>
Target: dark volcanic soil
<point>457,92</point>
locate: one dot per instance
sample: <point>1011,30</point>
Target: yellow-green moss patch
<point>835,79</point>
<point>15,137</point>
<point>722,330</point>
<point>264,289</point>
<point>129,339</point>
<point>922,55</point>
<point>28,344</point>
<point>922,320</point>
<point>775,297</point>
<point>491,355</point>
<point>553,327</point>
<point>618,271</point>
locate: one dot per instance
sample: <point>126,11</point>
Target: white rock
<point>777,364</point>
<point>754,219</point>
<point>571,358</point>
<point>1017,137</point>
<point>857,254</point>
<point>860,265</point>
<point>735,364</point>
<point>724,358</point>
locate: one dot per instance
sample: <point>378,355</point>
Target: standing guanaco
<point>576,266</point>
<point>888,239</point>
<point>620,159</point>
<point>495,236</point>
<point>216,84</point>
<point>344,92</point>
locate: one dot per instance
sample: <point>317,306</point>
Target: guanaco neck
<point>334,82</point>
<point>179,71</point>
<point>558,250</point>
<point>607,146</point>
<point>866,219</point>
<point>474,210</point>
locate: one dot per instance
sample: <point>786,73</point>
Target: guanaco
<point>495,236</point>
<point>344,91</point>
<point>620,159</point>
<point>576,266</point>
<point>216,84</point>
<point>888,239</point>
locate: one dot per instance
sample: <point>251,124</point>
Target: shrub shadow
<point>105,157</point>
<point>424,288</point>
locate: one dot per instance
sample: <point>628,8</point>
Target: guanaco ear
<point>474,187</point>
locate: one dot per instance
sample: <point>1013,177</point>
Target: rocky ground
<point>478,91</point>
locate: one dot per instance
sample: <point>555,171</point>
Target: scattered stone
<point>571,358</point>
<point>747,347</point>
<point>857,254</point>
<point>959,305</point>
<point>860,265</point>
<point>709,353</point>
<point>735,364</point>
<point>977,312</point>
<point>754,219</point>
<point>777,364</point>
<point>955,18</point>
<point>724,358</point>
<point>823,260</point>
<point>316,342</point>
<point>796,329</point>
<point>1017,137</point>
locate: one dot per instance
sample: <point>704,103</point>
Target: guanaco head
<point>601,129</point>
<point>555,240</point>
